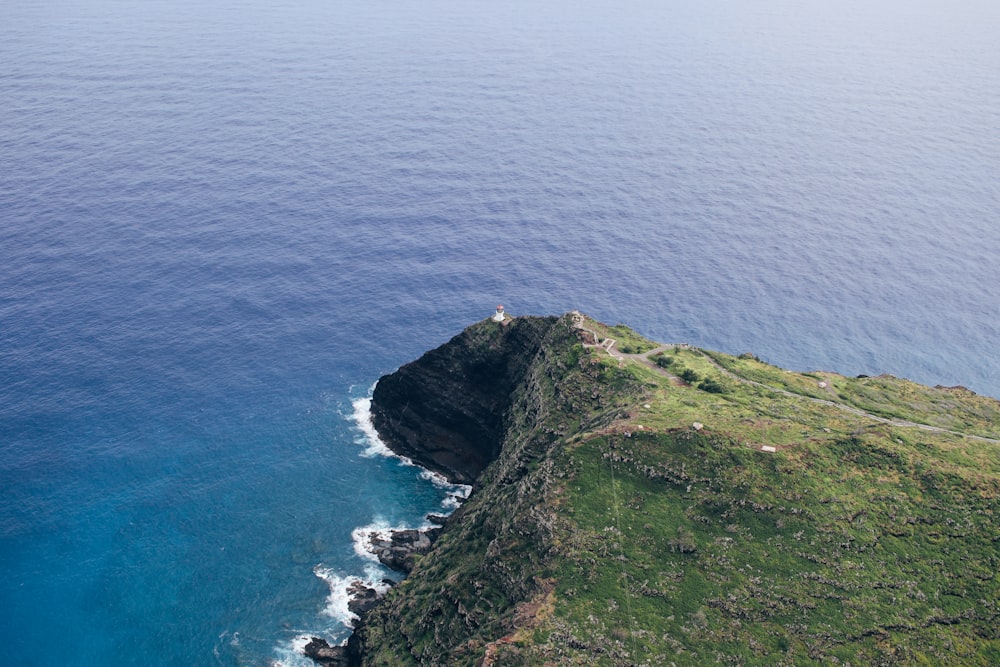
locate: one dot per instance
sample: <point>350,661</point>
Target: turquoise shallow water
<point>219,225</point>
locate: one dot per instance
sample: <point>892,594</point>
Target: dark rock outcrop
<point>330,656</point>
<point>399,551</point>
<point>363,599</point>
<point>447,412</point>
<point>447,409</point>
<point>480,399</point>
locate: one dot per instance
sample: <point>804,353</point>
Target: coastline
<point>708,449</point>
<point>389,550</point>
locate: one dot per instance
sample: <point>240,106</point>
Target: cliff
<point>447,410</point>
<point>639,504</point>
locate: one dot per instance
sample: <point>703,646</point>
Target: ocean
<point>221,223</point>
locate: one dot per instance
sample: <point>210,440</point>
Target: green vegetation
<point>701,547</point>
<point>662,360</point>
<point>626,340</point>
<point>951,408</point>
<point>689,376</point>
<point>712,386</point>
<point>633,519</point>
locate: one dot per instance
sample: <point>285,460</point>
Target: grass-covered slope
<point>635,518</point>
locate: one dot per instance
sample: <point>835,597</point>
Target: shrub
<point>712,386</point>
<point>663,361</point>
<point>689,376</point>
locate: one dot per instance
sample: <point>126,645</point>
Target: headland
<point>637,503</point>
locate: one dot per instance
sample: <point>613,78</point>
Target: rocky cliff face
<point>447,410</point>
<point>490,407</point>
<point>452,411</point>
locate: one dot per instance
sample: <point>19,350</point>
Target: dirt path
<point>608,345</point>
<point>848,408</point>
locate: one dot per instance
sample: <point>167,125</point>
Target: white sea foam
<point>437,479</point>
<point>457,493</point>
<point>361,537</point>
<point>374,446</point>
<point>452,501</point>
<point>292,653</point>
<point>337,602</point>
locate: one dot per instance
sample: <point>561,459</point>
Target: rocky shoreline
<point>398,552</point>
<point>533,568</point>
<point>446,412</point>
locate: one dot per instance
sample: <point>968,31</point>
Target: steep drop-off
<point>447,409</point>
<point>678,506</point>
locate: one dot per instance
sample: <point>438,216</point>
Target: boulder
<point>320,651</point>
<point>399,550</point>
<point>363,598</point>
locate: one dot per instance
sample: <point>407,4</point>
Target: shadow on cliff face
<point>447,409</point>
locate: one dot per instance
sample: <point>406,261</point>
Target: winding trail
<point>644,358</point>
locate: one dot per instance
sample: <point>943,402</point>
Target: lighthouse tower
<point>499,315</point>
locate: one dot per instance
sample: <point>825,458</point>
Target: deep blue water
<point>221,222</point>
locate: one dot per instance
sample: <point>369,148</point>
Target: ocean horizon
<point>221,224</point>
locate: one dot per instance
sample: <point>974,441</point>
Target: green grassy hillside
<point>658,505</point>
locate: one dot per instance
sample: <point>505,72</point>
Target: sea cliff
<point>646,504</point>
<point>447,410</point>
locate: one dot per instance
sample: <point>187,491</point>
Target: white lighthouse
<point>499,315</point>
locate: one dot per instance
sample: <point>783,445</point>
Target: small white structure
<point>697,426</point>
<point>768,448</point>
<point>499,315</point>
